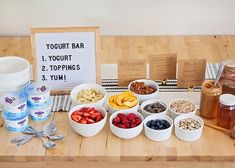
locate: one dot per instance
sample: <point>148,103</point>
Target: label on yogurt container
<point>17,125</point>
<point>38,93</point>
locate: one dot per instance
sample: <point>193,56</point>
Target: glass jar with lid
<point>226,111</point>
<point>227,78</point>
<point>210,99</point>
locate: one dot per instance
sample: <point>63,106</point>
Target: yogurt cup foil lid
<point>13,98</point>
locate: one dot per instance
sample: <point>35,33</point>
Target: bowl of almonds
<point>88,93</point>
<point>144,89</point>
<point>188,127</point>
<point>181,106</point>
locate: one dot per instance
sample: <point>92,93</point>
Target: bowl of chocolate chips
<point>153,106</point>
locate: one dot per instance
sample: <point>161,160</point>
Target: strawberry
<point>93,116</point>
<point>76,118</point>
<point>75,112</point>
<point>83,121</point>
<point>120,115</point>
<point>116,120</point>
<point>138,121</point>
<point>90,121</point>
<point>92,112</point>
<point>90,109</point>
<point>98,118</point>
<point>80,113</point>
<point>84,109</point>
<point>130,116</point>
<point>87,114</point>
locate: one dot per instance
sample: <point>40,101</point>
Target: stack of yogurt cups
<point>33,101</point>
<point>39,101</point>
<point>15,113</point>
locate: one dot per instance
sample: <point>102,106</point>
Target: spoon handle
<point>219,73</point>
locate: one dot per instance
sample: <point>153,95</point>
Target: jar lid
<point>229,63</point>
<point>227,99</point>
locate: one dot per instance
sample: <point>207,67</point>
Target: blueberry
<point>160,126</point>
<point>156,128</point>
<point>152,127</point>
<point>148,123</point>
<point>162,122</point>
<point>152,122</point>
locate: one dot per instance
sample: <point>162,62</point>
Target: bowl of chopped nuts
<point>88,93</point>
<point>144,89</point>
<point>188,127</point>
<point>181,106</point>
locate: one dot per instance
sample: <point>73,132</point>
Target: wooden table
<point>213,150</point>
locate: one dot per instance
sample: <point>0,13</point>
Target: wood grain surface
<point>213,48</point>
<point>214,149</point>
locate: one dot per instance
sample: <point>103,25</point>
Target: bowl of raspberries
<point>126,124</point>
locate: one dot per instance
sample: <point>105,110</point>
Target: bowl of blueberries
<point>158,127</point>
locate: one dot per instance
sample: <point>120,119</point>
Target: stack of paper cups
<point>39,101</point>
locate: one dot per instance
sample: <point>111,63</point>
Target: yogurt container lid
<point>12,118</point>
<point>13,98</point>
<point>227,99</point>
<point>37,89</point>
<point>47,105</point>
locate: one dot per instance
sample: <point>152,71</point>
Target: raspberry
<point>130,116</point>
<point>124,120</point>
<point>127,125</point>
<point>120,115</point>
<point>133,125</point>
<point>116,120</point>
<point>138,121</point>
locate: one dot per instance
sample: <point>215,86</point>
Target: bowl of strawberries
<point>126,124</point>
<point>87,119</point>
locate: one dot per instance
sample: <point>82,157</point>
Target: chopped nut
<point>182,106</point>
<point>189,124</point>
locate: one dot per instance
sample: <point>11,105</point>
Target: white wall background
<point>121,17</point>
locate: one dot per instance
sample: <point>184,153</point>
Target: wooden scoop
<point>230,132</point>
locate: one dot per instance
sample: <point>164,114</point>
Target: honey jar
<point>226,111</point>
<point>227,78</point>
<point>210,99</point>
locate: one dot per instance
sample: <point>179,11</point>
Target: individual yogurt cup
<point>42,113</point>
<point>14,103</point>
<point>16,124</point>
<point>38,94</point>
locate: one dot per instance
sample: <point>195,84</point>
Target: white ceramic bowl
<point>158,135</point>
<point>14,72</point>
<point>187,135</point>
<point>122,132</point>
<point>174,114</point>
<point>112,110</point>
<point>142,98</point>
<point>77,89</point>
<point>88,130</point>
<point>146,113</point>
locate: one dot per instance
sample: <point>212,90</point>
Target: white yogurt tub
<point>38,94</point>
<point>14,103</point>
<point>42,113</point>
<point>16,124</point>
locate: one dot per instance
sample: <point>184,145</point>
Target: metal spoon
<point>46,143</point>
